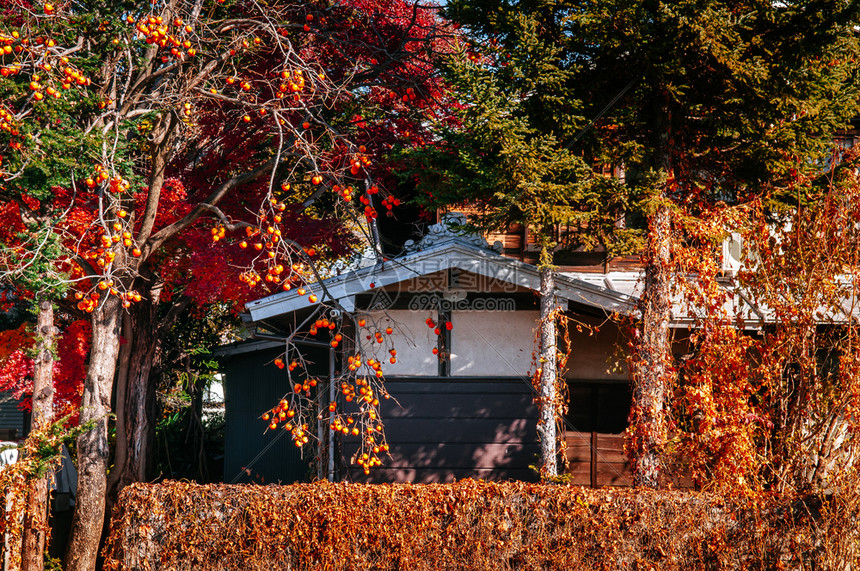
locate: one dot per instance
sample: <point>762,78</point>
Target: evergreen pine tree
<point>503,154</point>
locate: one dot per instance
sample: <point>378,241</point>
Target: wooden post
<point>547,405</point>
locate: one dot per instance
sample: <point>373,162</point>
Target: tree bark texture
<point>547,401</point>
<point>652,361</point>
<point>36,516</point>
<point>120,451</point>
<point>652,367</point>
<point>135,432</point>
<point>93,449</point>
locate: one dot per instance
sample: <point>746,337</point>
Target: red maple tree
<point>175,154</point>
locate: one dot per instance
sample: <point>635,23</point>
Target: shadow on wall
<point>454,428</point>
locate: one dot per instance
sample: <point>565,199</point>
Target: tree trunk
<point>93,449</point>
<point>136,419</point>
<point>120,451</point>
<point>36,516</point>
<point>653,359</point>
<point>652,367</point>
<point>135,432</point>
<point>547,401</point>
<point>194,436</point>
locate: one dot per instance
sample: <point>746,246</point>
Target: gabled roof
<point>616,292</point>
<point>442,253</point>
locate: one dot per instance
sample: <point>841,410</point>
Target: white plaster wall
<point>492,343</point>
<point>412,339</point>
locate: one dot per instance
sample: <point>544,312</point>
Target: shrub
<point>472,525</point>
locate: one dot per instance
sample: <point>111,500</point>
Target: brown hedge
<point>471,525</point>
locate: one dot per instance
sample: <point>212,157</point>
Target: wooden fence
<point>597,459</point>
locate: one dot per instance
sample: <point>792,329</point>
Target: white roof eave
<point>441,256</point>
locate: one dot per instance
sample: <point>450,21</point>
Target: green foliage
<point>186,355</point>
<point>53,563</point>
<point>31,262</point>
<point>715,100</point>
<point>189,439</point>
<point>504,152</point>
<point>43,449</point>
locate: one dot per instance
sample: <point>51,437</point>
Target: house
<point>462,398</point>
<point>14,421</point>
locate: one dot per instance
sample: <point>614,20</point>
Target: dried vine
<point>474,525</point>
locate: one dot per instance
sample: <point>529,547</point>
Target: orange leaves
<point>755,372</point>
<point>468,524</point>
<point>718,397</point>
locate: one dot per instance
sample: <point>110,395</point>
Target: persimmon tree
<point>699,102</point>
<point>158,147</point>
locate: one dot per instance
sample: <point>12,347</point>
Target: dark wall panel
<point>385,475</point>
<point>598,406</point>
<point>452,456</point>
<point>253,385</point>
<point>466,405</point>
<point>11,417</point>
<point>460,430</point>
<point>441,429</point>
